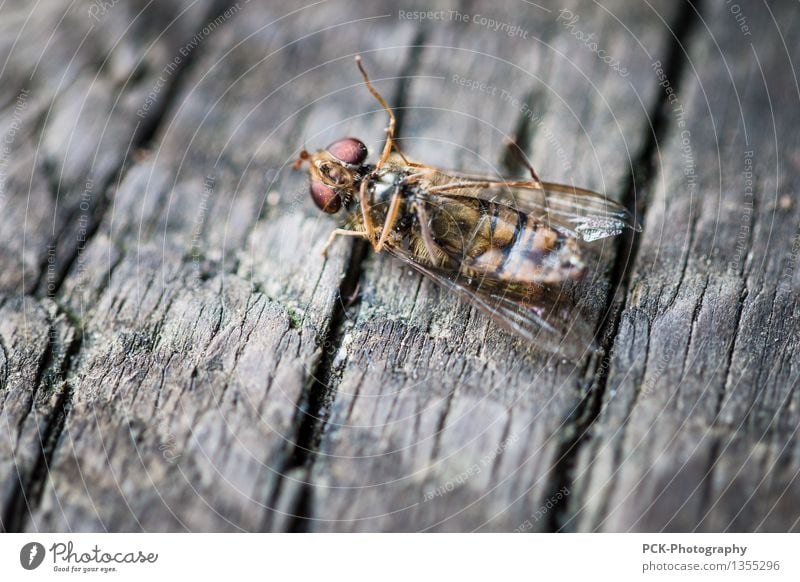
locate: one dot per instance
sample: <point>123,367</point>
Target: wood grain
<point>699,427</point>
<point>441,421</point>
<point>176,354</point>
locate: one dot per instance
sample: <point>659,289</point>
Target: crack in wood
<point>693,324</point>
<point>25,498</point>
<point>714,452</point>
<point>317,399</point>
<point>588,409</point>
<point>141,138</point>
<point>45,364</point>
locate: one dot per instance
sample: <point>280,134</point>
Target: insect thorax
<point>380,192</point>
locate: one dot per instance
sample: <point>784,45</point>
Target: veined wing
<point>576,212</point>
<point>544,321</point>
<point>495,242</point>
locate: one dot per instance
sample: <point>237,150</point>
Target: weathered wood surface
<point>175,354</point>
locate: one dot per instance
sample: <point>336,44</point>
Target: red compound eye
<point>325,197</point>
<point>348,150</point>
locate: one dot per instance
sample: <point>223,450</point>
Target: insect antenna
<point>387,149</point>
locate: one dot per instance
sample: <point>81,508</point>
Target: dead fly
<point>501,244</point>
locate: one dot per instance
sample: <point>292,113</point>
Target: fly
<point>504,245</point>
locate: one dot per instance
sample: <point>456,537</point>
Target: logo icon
<point>31,555</point>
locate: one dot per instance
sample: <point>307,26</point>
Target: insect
<point>504,245</point>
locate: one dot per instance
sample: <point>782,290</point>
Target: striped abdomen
<point>496,241</point>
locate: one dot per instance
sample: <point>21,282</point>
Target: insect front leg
<point>341,232</point>
<point>487,184</point>
<point>363,201</point>
<point>391,217</point>
<point>427,238</point>
<point>415,177</point>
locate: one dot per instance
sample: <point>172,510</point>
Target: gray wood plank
<point>84,81</point>
<point>35,340</point>
<point>66,78</point>
<point>699,424</point>
<point>204,301</point>
<point>442,421</point>
<point>175,354</point>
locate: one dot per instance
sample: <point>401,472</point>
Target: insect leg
<point>411,178</point>
<point>365,215</point>
<point>521,158</point>
<point>427,237</point>
<point>534,175</point>
<point>487,184</point>
<point>403,157</point>
<point>391,218</point>
<point>341,232</point>
<point>387,149</point>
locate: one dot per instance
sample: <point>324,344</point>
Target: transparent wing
<point>576,212</point>
<point>549,324</point>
